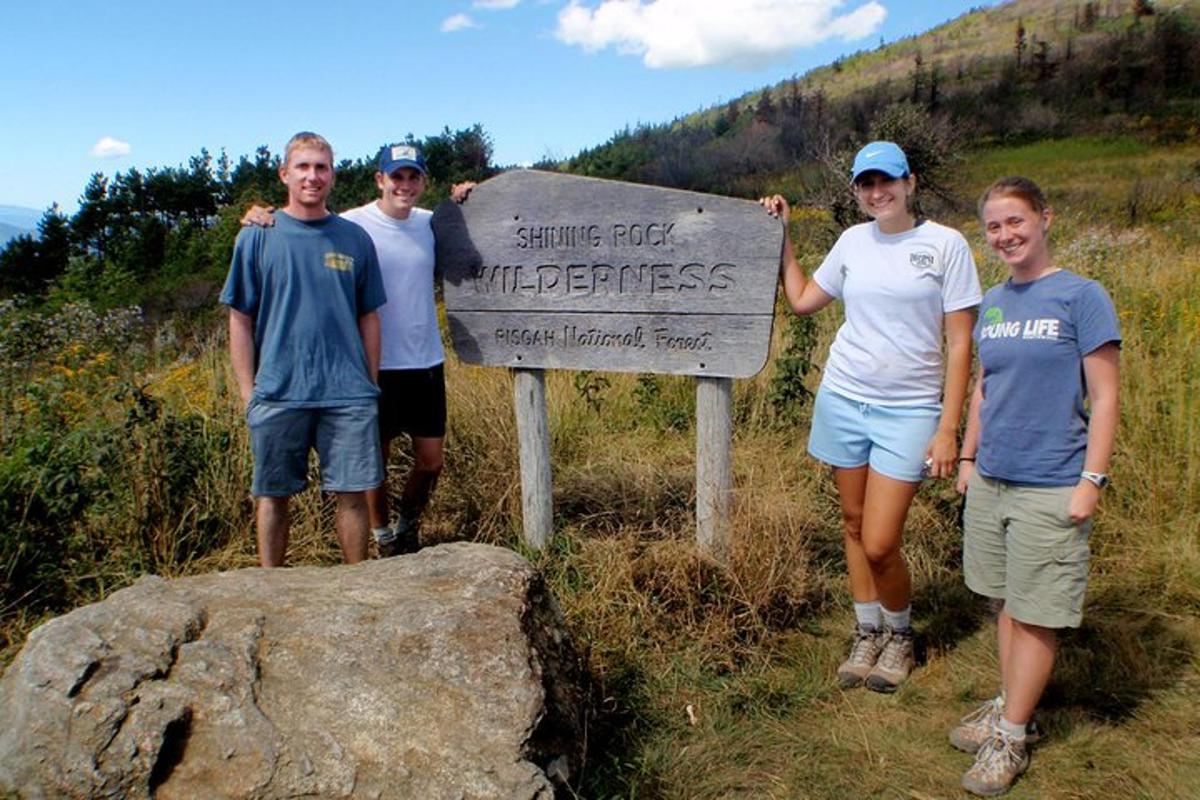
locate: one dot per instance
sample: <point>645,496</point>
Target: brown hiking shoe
<point>997,764</point>
<point>977,727</point>
<point>895,661</point>
<point>864,651</point>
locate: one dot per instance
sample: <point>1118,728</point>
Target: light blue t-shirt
<point>306,284</point>
<point>1032,338</point>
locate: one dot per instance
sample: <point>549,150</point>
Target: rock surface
<point>445,674</point>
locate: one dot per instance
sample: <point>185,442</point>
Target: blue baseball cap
<point>885,157</point>
<point>394,156</point>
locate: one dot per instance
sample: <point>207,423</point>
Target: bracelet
<point>966,458</point>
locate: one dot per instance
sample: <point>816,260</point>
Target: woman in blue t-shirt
<point>1033,462</point>
<point>887,412</point>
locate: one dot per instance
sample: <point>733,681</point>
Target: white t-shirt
<point>408,320</point>
<point>895,288</point>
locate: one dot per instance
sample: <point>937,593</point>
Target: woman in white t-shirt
<point>883,417</point>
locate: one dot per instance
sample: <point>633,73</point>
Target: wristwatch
<point>1098,478</point>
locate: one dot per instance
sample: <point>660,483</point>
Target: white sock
<point>1013,730</point>
<point>383,535</point>
<point>897,620</point>
<point>869,614</point>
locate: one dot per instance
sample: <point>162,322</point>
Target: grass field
<point>717,683</point>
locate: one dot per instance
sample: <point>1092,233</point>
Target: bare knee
<point>429,467</point>
<point>881,554</point>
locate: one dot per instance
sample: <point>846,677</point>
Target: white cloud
<point>108,147</point>
<point>457,22</point>
<point>495,5</point>
<point>697,33</point>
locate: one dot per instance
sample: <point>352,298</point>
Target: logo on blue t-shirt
<point>339,261</point>
<point>994,327</point>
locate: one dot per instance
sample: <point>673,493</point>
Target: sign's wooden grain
<point>543,270</point>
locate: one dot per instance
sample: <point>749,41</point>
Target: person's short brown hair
<point>307,139</point>
<point>1016,186</point>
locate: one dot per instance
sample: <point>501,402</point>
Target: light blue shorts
<point>891,439</point>
<point>346,439</point>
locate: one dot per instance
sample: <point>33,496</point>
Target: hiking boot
<point>997,764</point>
<point>864,651</point>
<point>895,661</point>
<point>977,727</point>
<point>408,540</point>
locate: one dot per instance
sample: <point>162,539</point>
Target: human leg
<point>1045,580</point>
<point>1030,661</point>
<point>852,489</point>
<point>347,439</point>
<point>280,438</point>
<point>428,459</point>
<point>974,729</point>
<point>352,525</point>
<point>885,508</point>
<point>1004,753</point>
<point>377,498</point>
<point>884,512</point>
<point>413,402</point>
<point>272,521</point>
<point>867,640</point>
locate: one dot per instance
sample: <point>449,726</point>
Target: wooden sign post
<point>549,271</point>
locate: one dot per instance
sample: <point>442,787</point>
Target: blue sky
<point>101,86</point>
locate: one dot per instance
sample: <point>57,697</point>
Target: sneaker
<point>385,542</point>
<point>895,661</point>
<point>389,548</point>
<point>997,764</point>
<point>864,651</point>
<point>977,727</point>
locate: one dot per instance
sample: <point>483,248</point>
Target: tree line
<point>162,237</point>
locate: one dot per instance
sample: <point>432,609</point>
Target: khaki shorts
<point>1019,546</point>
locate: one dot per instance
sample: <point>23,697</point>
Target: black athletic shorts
<point>412,401</point>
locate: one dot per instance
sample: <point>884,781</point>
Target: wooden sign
<point>549,271</point>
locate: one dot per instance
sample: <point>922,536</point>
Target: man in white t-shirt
<point>412,384</point>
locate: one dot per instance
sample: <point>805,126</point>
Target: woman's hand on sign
<point>776,206</point>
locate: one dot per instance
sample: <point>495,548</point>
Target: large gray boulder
<point>444,674</point>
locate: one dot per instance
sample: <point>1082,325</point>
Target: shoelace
<point>998,752</point>
<point>864,641</point>
<point>893,653</point>
<point>984,713</point>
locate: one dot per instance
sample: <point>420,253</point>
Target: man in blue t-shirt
<point>304,341</point>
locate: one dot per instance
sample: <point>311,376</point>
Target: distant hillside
<point>9,232</point>
<point>16,221</point>
<point>1021,71</point>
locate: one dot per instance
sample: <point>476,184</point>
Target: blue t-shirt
<point>1032,338</point>
<point>306,284</point>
